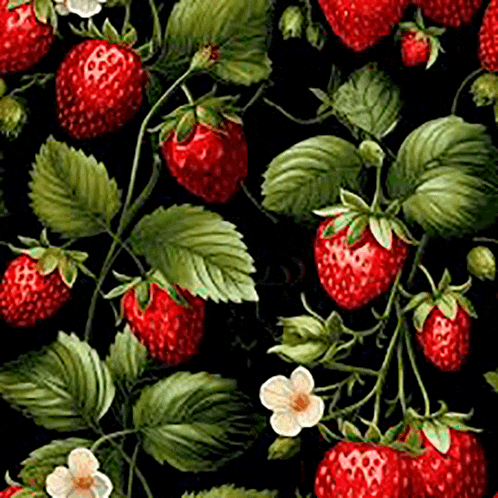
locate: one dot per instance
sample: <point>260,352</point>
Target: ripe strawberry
<point>27,295</point>
<point>451,13</point>
<point>24,40</point>
<point>415,48</point>
<point>488,37</point>
<point>362,470</point>
<point>460,473</point>
<point>170,331</point>
<point>99,88</point>
<point>360,24</point>
<point>10,491</point>
<point>205,149</point>
<point>355,274</point>
<point>446,342</point>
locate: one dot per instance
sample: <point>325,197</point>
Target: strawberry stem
<point>462,86</point>
<point>316,120</point>
<point>187,93</point>
<point>401,378</point>
<point>429,278</point>
<point>418,257</point>
<point>108,437</point>
<point>132,468</point>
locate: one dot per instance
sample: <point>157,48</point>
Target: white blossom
<point>291,400</point>
<point>83,8</point>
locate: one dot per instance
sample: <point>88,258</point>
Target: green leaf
<point>195,422</point>
<point>449,202</point>
<point>230,491</point>
<point>369,101</point>
<point>64,387</point>
<point>42,461</point>
<point>114,467</point>
<point>443,142</point>
<point>303,354</point>
<point>309,174</point>
<point>197,250</point>
<point>127,357</point>
<point>492,379</point>
<point>237,28</point>
<point>438,434</point>
<point>71,193</point>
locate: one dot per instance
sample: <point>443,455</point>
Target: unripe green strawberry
<point>170,331</point>
<point>27,295</point>
<point>481,263</point>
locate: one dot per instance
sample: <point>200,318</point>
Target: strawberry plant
<point>248,248</point>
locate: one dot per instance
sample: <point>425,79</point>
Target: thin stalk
<point>255,202</point>
<point>123,245</point>
<point>462,86</point>
<point>316,120</point>
<point>132,469</point>
<point>108,437</point>
<point>401,378</point>
<point>418,257</point>
<point>188,94</point>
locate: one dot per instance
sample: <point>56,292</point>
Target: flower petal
<point>81,493</point>
<point>58,483</point>
<point>82,462</point>
<point>275,392</point>
<point>84,8</point>
<point>285,423</point>
<point>302,380</point>
<point>61,9</point>
<point>103,485</point>
<point>313,413</point>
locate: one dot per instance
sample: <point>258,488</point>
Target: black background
<point>238,335</point>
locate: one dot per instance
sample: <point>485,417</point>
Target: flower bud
<point>284,448</point>
<point>12,116</point>
<point>485,89</point>
<point>291,22</point>
<point>481,263</point>
<point>372,153</point>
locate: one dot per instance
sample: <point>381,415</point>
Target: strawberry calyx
<point>44,10</point>
<point>208,110</point>
<point>142,288</point>
<point>447,298</point>
<point>435,427</point>
<point>355,214</point>
<point>421,32</point>
<point>50,258</point>
<point>128,36</point>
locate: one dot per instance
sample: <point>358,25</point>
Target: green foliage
<point>195,422</point>
<point>230,491</point>
<point>197,250</point>
<point>65,387</point>
<point>309,175</point>
<point>71,193</point>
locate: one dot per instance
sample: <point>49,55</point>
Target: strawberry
<point>451,13</point>
<point>355,271</point>
<point>205,149</point>
<point>99,88</point>
<point>442,321</point>
<point>362,470</point>
<point>461,472</point>
<point>10,491</point>
<point>360,24</point>
<point>27,295</point>
<point>170,331</point>
<point>446,342</point>
<point>24,39</point>
<point>415,48</point>
<point>488,37</point>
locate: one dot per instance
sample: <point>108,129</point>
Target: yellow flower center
<point>85,482</point>
<point>299,402</point>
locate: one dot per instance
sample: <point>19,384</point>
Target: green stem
<point>411,356</point>
<point>255,97</point>
<point>462,86</point>
<point>187,93</point>
<point>484,239</point>
<point>124,218</point>
<point>255,202</point>
<point>392,296</point>
<point>401,378</point>
<point>316,120</point>
<point>39,79</point>
<point>341,367</point>
<point>156,25</point>
<point>132,470</point>
<point>127,14</point>
<point>418,257</point>
<point>108,437</point>
<point>378,190</point>
<point>123,245</point>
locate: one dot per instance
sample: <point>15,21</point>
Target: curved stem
<point>187,93</point>
<point>341,367</point>
<point>123,245</point>
<point>108,437</point>
<point>378,189</point>
<point>401,378</point>
<point>316,120</point>
<point>418,258</point>
<point>132,470</point>
<point>411,356</point>
<point>255,97</point>
<point>462,86</point>
<point>484,239</point>
<point>255,202</point>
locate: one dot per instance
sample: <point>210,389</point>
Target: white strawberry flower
<point>82,8</point>
<point>80,480</point>
<point>291,400</point>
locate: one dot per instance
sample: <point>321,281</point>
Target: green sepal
<point>128,35</point>
<point>12,4</point>
<point>421,313</point>
<point>356,229</point>
<point>354,201</point>
<point>350,431</point>
<point>332,211</point>
<point>417,300</point>
<point>186,126</point>
<point>284,448</point>
<point>466,304</point>
<point>381,230</point>
<point>339,223</point>
<point>373,433</point>
<point>438,435</point>
<point>448,305</point>
<point>445,281</point>
<point>392,433</point>
<point>45,12</point>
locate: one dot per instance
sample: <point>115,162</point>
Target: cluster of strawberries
<point>360,25</point>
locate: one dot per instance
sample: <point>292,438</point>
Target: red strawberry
<point>460,473</point>
<point>170,331</point>
<point>360,24</point>
<point>415,48</point>
<point>362,470</point>
<point>10,491</point>
<point>488,37</point>
<point>451,13</point>
<point>211,162</point>
<point>445,341</point>
<point>99,88</point>
<point>355,274</point>
<point>27,295</point>
<point>24,40</point>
